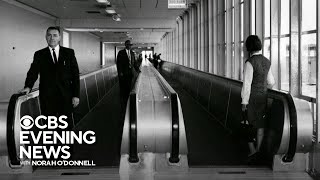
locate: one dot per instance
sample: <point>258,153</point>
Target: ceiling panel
<point>134,14</point>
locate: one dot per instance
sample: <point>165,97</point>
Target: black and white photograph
<point>159,89</point>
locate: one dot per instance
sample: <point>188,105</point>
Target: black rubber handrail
<point>174,156</point>
<point>133,137</point>
<point>288,157</point>
<point>133,152</point>
<point>11,141</point>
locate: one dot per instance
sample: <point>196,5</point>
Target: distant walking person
<point>127,68</point>
<point>257,78</point>
<point>59,86</point>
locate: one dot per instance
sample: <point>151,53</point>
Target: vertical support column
<point>195,36</point>
<point>176,45</point>
<point>202,34</point>
<point>237,38</point>
<point>199,34</point>
<point>171,46</point>
<point>259,19</point>
<point>103,58</point>
<point>178,40</point>
<point>164,47</point>
<point>176,56</point>
<point>167,46</point>
<point>181,60</point>
<point>228,62</point>
<point>186,22</point>
<point>210,36</point>
<point>206,37</point>
<point>183,39</point>
<point>188,39</point>
<point>190,45</point>
<point>215,36</point>
<point>246,24</point>
<point>221,33</point>
<point>191,50</point>
<point>294,48</point>
<point>318,77</point>
<point>274,43</point>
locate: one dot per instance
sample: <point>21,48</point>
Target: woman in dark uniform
<point>257,78</point>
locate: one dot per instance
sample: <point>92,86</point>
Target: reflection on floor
<point>193,173</point>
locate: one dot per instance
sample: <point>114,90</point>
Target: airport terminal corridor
<point>159,89</point>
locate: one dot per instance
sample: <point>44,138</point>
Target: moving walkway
<point>212,104</point>
<point>189,125</point>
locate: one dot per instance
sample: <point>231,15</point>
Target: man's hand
<point>75,101</point>
<point>25,91</point>
<point>244,107</point>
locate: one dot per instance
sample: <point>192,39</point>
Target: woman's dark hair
<point>253,43</point>
<point>54,28</point>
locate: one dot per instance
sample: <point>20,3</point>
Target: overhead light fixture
<point>110,10</point>
<point>101,1</point>
<point>104,1</point>
<point>116,17</point>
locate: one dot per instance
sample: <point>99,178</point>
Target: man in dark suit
<point>59,86</point>
<point>128,69</point>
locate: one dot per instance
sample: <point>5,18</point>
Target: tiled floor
<point>191,174</point>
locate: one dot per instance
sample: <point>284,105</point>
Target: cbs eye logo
<point>26,122</point>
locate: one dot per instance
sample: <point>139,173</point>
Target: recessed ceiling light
<point>110,11</point>
<point>103,1</point>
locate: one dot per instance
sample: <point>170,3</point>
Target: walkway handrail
<point>133,148</point>
<point>11,142</point>
<point>288,157</point>
<point>175,134</point>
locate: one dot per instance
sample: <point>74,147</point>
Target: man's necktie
<point>54,57</point>
<point>129,56</point>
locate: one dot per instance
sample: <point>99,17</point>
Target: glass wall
<point>308,48</point>
<point>267,27</point>
<point>284,44</point>
<point>292,45</point>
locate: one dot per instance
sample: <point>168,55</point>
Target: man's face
<point>53,38</point>
<point>128,45</point>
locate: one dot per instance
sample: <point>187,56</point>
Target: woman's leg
<point>252,149</point>
<point>260,135</point>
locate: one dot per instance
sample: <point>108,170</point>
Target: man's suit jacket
<point>125,70</point>
<point>62,77</point>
